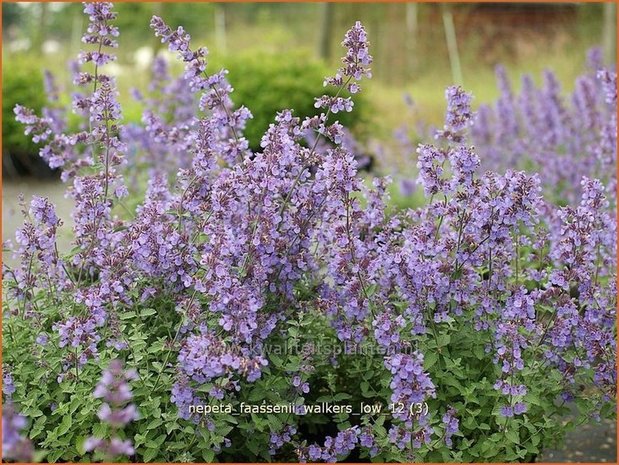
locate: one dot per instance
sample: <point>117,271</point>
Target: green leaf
<point>208,455</point>
<point>512,435</point>
<point>39,456</point>
<point>150,454</point>
<point>171,426</point>
<point>148,312</point>
<point>54,455</point>
<point>37,427</point>
<point>443,340</point>
<point>139,439</point>
<point>155,423</point>
<point>32,412</point>
<point>253,446</point>
<point>158,366</point>
<point>65,425</point>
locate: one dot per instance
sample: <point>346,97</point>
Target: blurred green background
<point>278,53</point>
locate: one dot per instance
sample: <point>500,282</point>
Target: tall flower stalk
<point>115,410</point>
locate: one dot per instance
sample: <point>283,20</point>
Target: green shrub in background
<point>267,83</point>
<point>22,83</point>
<point>264,82</point>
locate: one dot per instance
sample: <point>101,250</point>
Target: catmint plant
<point>468,324</point>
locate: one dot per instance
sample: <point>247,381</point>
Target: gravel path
<point>594,442</point>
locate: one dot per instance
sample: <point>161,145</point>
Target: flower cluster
<point>451,423</point>
<point>565,139</point>
<point>36,248</point>
<point>458,115</point>
<point>341,445</point>
<point>227,124</point>
<point>410,384</point>
<point>14,445</point>
<point>95,229</point>
<point>356,66</point>
<point>277,440</point>
<point>8,386</point>
<point>115,410</point>
<point>162,144</point>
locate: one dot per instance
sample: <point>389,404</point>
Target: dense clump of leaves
<point>255,299</point>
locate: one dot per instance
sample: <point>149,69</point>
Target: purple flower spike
<point>114,389</point>
<point>14,446</point>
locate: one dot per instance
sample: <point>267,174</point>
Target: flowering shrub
<point>562,140</point>
<point>270,306</point>
<point>539,130</point>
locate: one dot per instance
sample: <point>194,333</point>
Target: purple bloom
<point>115,410</point>
<point>14,446</point>
<point>407,187</point>
<point>232,239</point>
<point>451,425</point>
<point>519,408</point>
<point>112,448</point>
<point>506,411</point>
<point>339,446</point>
<point>228,123</point>
<point>458,109</point>
<point>118,417</point>
<point>387,329</point>
<point>609,81</point>
<point>357,59</point>
<point>356,63</point>
<point>277,440</point>
<point>184,397</point>
<point>113,387</point>
<point>431,162</point>
<point>410,383</point>
<point>8,386</point>
<point>541,130</point>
